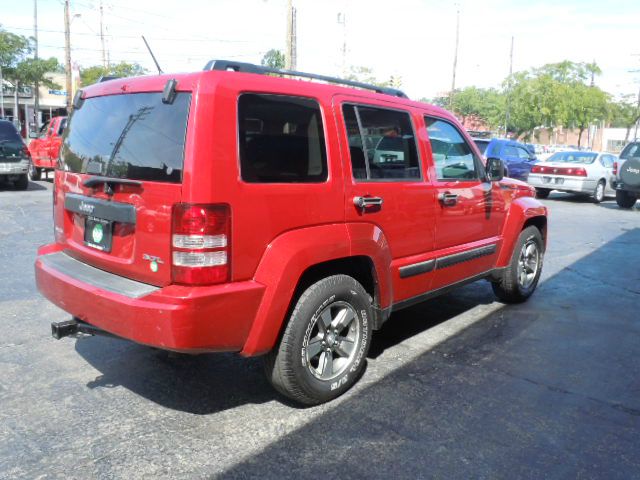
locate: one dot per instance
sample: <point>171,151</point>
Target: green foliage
<point>90,75</point>
<point>18,68</point>
<point>273,59</point>
<point>624,113</point>
<point>366,75</point>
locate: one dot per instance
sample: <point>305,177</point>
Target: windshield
<point>584,158</point>
<point>482,145</point>
<point>134,136</point>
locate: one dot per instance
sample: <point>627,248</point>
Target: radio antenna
<point>152,55</point>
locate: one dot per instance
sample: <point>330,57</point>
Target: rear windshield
<point>8,133</point>
<point>133,136</point>
<point>573,157</point>
<point>631,151</point>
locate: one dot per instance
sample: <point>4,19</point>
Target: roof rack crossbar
<point>243,67</point>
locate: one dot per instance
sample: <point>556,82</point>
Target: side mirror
<point>495,169</point>
<point>33,134</point>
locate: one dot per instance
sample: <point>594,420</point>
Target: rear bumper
<point>180,318</point>
<point>568,184</point>
<point>14,168</point>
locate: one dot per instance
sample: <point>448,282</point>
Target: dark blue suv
<point>517,158</point>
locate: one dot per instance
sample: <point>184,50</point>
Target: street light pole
<point>36,100</point>
<point>455,59</point>
<point>67,53</point>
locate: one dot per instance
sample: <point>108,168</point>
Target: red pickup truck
<point>45,147</point>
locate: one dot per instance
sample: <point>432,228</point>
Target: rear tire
<point>625,199</point>
<point>519,279</point>
<point>542,192</point>
<point>34,172</point>
<point>22,183</point>
<point>598,193</point>
<point>323,350</point>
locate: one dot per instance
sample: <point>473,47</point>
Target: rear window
<point>281,139</point>
<point>9,133</point>
<point>631,151</point>
<point>573,157</point>
<point>134,136</point>
<point>481,144</point>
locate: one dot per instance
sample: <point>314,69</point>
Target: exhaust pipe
<point>74,327</point>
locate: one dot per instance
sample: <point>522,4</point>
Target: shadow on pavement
<point>545,389</point>
<point>8,187</point>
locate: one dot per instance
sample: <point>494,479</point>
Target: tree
<point>90,75</point>
<point>365,75</point>
<point>625,113</point>
<point>273,59</point>
<point>486,104</point>
<point>588,105</point>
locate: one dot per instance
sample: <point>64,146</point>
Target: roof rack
<point>243,67</point>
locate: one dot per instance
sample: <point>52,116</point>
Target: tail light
<point>615,168</point>
<point>200,244</point>
<point>572,171</point>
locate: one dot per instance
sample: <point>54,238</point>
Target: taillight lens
<point>200,244</point>
<point>615,168</point>
<point>573,171</point>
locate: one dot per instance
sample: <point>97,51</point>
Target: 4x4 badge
<point>155,261</point>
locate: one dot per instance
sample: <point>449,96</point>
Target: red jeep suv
<point>244,209</point>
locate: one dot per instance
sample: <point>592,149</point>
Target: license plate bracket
<point>98,233</point>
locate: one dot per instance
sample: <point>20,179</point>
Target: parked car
<point>295,231</point>
<point>627,175</point>
<point>576,172</point>
<point>45,147</point>
<point>482,144</point>
<point>516,157</point>
<point>14,156</point>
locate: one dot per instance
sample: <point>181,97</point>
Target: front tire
<point>598,193</point>
<point>323,349</point>
<point>520,278</point>
<point>625,199</point>
<point>542,192</point>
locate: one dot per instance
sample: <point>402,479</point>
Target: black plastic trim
<point>409,302</point>
<point>226,65</point>
<point>417,268</point>
<point>96,207</point>
<point>456,258</point>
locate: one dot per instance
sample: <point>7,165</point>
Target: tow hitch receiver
<point>74,327</point>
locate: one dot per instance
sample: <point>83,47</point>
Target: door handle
<point>364,203</point>
<point>448,199</point>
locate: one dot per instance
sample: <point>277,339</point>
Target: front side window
<point>523,154</point>
<point>452,155</point>
<point>281,139</point>
<point>382,144</point>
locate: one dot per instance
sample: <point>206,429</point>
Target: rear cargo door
<point>122,161</point>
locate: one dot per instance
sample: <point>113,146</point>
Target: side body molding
<point>521,210</point>
<point>289,255</point>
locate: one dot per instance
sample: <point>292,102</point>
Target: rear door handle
<point>364,203</point>
<point>448,199</point>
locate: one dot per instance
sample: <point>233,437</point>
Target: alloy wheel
<point>528,264</point>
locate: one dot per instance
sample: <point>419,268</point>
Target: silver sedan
<point>576,172</point>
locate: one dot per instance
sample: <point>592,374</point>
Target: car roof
<point>191,81</point>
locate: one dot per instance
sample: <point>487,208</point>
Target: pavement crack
<point>554,388</point>
<point>601,281</point>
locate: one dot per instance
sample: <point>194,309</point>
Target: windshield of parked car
<point>584,158</point>
<point>134,136</point>
<point>481,144</point>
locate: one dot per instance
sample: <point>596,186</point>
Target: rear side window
<point>9,133</point>
<point>382,144</point>
<point>134,136</point>
<point>281,139</point>
<point>453,157</point>
<point>631,151</point>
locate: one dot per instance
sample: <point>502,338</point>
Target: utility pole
<point>290,53</point>
<point>342,20</point>
<point>507,113</point>
<point>36,101</point>
<point>104,57</point>
<point>67,53</point>
<point>455,57</point>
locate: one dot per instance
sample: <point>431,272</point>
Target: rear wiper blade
<point>93,181</point>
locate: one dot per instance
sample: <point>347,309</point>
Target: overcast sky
<point>410,38</point>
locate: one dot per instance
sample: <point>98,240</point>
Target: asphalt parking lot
<point>458,387</point>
